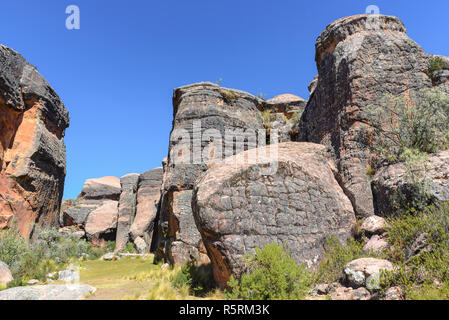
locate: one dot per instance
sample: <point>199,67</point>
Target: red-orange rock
<point>32,151</point>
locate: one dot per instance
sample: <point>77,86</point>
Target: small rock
<point>68,275</point>
<point>374,225</point>
<point>165,266</point>
<point>32,282</point>
<point>322,288</point>
<point>361,294</point>
<point>5,274</point>
<point>394,293</point>
<point>366,272</point>
<point>376,244</point>
<point>110,256</point>
<point>140,244</point>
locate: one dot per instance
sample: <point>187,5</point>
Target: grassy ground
<point>134,279</point>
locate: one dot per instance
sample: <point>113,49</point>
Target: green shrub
<point>436,65</point>
<point>337,256</point>
<point>272,275</point>
<point>405,128</point>
<point>267,116</point>
<point>420,251</point>
<point>199,279</point>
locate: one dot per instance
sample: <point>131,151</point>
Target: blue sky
<point>117,73</point>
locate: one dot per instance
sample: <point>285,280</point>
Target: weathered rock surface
<point>101,223</point>
<point>286,110</point>
<point>126,209</point>
<point>101,188</point>
<point>391,180</point>
<point>359,60</point>
<point>203,112</point>
<point>365,272</point>
<point>238,208</point>
<point>48,292</point>
<point>343,293</point>
<point>5,274</point>
<point>32,151</point>
<point>375,244</point>
<point>148,196</point>
<point>373,225</point>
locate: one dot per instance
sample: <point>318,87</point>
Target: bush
<point>272,275</point>
<point>404,128</point>
<point>337,256</point>
<point>436,65</point>
<point>420,251</point>
<point>199,279</point>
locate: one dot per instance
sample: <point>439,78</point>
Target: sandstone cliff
<point>32,152</point>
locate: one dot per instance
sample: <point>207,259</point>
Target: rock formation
<point>391,180</point>
<point>112,209</point>
<point>359,60</point>
<point>32,152</point>
<point>204,115</point>
<point>241,207</point>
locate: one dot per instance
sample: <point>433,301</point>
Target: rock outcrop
<point>148,196</point>
<point>126,209</point>
<point>241,207</point>
<point>112,209</point>
<point>359,60</point>
<point>393,179</point>
<point>206,119</point>
<point>32,152</point>
<point>282,113</point>
<point>48,292</point>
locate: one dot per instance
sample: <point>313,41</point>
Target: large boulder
<point>32,152</point>
<point>148,195</point>
<point>101,224</point>
<point>242,206</point>
<point>126,209</point>
<point>48,292</point>
<point>359,60</point>
<point>366,272</point>
<point>94,193</point>
<point>206,119</point>
<point>392,181</point>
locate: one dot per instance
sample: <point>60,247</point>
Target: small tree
<point>272,275</point>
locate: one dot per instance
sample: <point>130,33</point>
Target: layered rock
<point>94,193</point>
<point>393,180</point>
<point>242,206</point>
<point>126,209</point>
<point>359,60</point>
<point>148,195</point>
<point>32,151</point>
<point>206,119</point>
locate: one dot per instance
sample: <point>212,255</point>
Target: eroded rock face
<point>203,112</point>
<point>32,151</point>
<point>359,60</point>
<point>148,195</point>
<point>126,209</point>
<point>101,224</point>
<point>238,208</point>
<point>390,180</point>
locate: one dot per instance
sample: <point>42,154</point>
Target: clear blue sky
<point>116,74</point>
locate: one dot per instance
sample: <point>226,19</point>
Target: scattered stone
<point>394,293</point>
<point>68,276</point>
<point>322,288</point>
<point>165,266</point>
<point>48,292</point>
<point>365,272</point>
<point>5,274</point>
<point>32,282</point>
<point>110,256</point>
<point>140,245</point>
<point>375,244</point>
<point>373,225</point>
